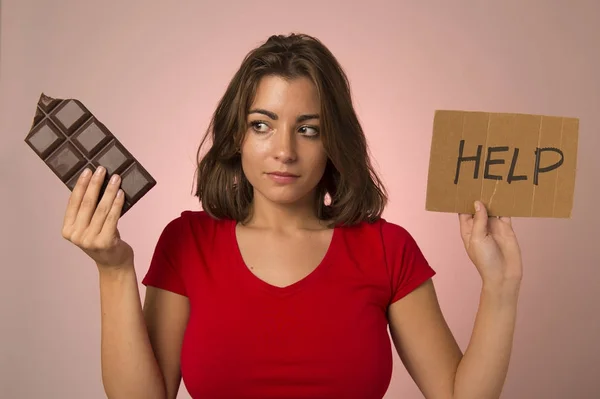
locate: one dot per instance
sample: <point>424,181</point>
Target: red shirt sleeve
<point>406,263</point>
<point>165,267</point>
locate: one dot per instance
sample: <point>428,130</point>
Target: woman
<point>285,284</point>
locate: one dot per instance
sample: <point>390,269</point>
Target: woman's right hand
<point>94,228</point>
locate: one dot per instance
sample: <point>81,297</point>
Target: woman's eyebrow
<point>274,116</point>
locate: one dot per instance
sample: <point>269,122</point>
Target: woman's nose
<point>285,145</point>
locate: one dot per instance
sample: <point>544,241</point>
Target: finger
<point>104,205</point>
<point>90,198</point>
<point>464,220</point>
<point>505,226</point>
<point>495,225</point>
<point>75,198</point>
<point>480,221</point>
<point>466,224</point>
<point>500,225</point>
<point>112,218</point>
<point>464,217</point>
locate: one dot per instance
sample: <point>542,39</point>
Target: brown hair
<point>355,191</point>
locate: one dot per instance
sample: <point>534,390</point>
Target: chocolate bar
<point>68,138</point>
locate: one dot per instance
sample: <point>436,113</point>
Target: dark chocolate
<point>68,138</point>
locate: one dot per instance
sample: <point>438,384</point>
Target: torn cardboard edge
<point>520,165</point>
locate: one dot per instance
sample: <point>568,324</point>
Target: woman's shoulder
<point>197,217</point>
<point>379,227</point>
<point>195,223</point>
<point>378,237</point>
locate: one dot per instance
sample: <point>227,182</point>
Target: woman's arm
<point>482,371</point>
<point>431,355</point>
<point>422,337</point>
<point>140,347</point>
<point>129,367</point>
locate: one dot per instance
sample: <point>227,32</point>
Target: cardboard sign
<point>516,164</point>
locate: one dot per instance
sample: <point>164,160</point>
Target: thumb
<point>480,221</point>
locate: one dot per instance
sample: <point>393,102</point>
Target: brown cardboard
<point>510,136</point>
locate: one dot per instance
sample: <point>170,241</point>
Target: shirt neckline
<point>256,281</point>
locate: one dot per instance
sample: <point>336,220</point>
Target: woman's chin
<point>286,197</point>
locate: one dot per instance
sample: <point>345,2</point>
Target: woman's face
<point>282,152</point>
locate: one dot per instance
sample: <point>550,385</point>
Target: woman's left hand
<point>492,246</point>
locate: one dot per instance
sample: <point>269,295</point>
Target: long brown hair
<point>355,191</point>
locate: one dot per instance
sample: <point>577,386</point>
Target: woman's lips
<point>283,177</point>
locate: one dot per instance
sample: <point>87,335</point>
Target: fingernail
<point>99,170</point>
<point>477,206</point>
<point>114,179</point>
<point>86,172</point>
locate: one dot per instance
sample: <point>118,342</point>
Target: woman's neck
<point>283,217</point>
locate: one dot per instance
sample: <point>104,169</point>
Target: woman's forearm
<point>129,368</point>
<point>482,371</point>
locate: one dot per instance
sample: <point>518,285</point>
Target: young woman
<point>285,284</point>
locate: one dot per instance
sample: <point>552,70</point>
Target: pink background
<point>153,73</point>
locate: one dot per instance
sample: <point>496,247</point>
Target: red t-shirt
<point>325,336</point>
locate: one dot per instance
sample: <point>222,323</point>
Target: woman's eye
<point>309,131</point>
<point>259,126</point>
